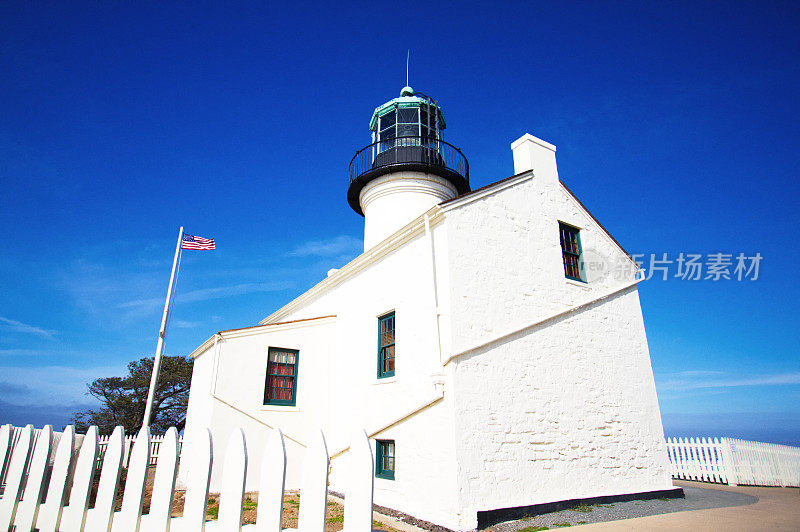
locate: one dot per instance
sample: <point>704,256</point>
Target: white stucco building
<point>492,369</point>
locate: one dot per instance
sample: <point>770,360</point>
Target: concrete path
<point>777,509</point>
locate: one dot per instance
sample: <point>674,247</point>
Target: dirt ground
<point>291,506</point>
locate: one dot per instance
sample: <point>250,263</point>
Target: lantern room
<point>407,168</point>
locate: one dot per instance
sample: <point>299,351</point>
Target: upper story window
<point>281,386</point>
<point>386,346</point>
<point>570,250</point>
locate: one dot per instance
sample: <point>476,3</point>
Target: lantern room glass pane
<point>388,133</point>
<point>408,115</point>
<point>387,120</point>
<point>407,130</point>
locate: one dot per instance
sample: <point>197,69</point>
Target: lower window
<point>384,459</point>
<point>281,386</point>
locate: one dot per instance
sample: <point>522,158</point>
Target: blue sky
<point>676,124</point>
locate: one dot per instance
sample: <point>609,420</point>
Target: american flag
<point>197,242</point>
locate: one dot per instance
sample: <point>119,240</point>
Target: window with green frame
<point>571,250</point>
<point>384,459</point>
<point>281,384</point>
<point>386,346</point>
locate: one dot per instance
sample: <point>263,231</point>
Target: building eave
<point>599,225</point>
<point>274,324</point>
<point>396,240</point>
<point>258,329</point>
<point>200,349</point>
<point>491,188</point>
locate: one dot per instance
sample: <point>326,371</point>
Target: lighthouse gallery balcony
<point>407,153</point>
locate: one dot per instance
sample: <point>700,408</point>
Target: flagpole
<point>162,334</point>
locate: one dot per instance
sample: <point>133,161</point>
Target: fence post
<point>314,491</point>
<point>681,452</point>
<point>234,474</point>
<point>360,479</point>
<point>50,512</point>
<point>720,461</point>
<point>74,515</point>
<point>34,487</point>
<point>271,484</point>
<point>101,516</point>
<point>728,462</point>
<point>164,483</point>
<point>130,515</point>
<point>16,470</point>
<point>5,453</point>
<point>194,508</point>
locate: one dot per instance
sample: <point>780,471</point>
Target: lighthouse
<point>493,377</point>
<point>407,169</point>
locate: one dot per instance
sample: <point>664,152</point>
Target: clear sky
<point>676,124</point>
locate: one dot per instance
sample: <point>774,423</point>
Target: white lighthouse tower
<point>407,169</point>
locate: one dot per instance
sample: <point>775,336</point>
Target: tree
<point>123,398</point>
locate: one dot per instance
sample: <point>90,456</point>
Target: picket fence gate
<point>734,461</point>
<point>25,506</point>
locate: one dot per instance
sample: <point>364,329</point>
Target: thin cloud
<point>779,379</point>
<point>206,294</point>
<point>18,326</point>
<point>700,373</point>
<point>23,352</point>
<point>343,244</point>
<point>183,324</point>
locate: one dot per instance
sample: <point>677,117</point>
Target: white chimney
<point>535,154</point>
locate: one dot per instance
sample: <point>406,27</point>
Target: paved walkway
<point>776,509</point>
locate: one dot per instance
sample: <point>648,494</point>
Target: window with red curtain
<point>281,386</point>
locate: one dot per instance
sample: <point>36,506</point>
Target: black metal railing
<point>415,151</point>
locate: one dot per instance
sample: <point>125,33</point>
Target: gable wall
<point>563,410</point>
<point>505,260</point>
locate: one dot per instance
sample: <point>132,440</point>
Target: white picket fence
<point>130,439</point>
<point>733,461</point>
<point>61,504</point>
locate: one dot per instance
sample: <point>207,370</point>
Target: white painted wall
<point>400,281</point>
<point>228,391</point>
<point>391,201</point>
<point>338,385</point>
<point>563,410</point>
<point>567,409</point>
